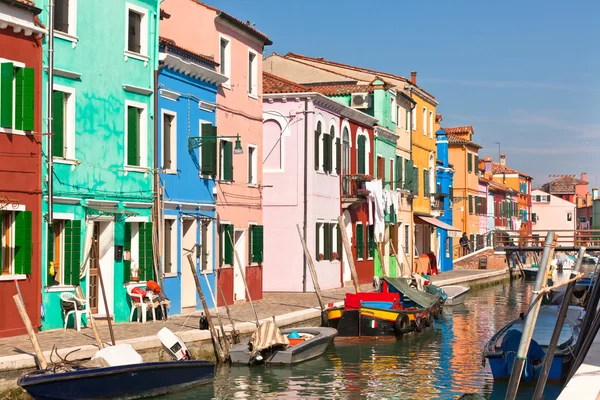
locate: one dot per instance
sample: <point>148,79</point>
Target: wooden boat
<point>530,272</point>
<point>312,343</point>
<point>122,382</point>
<point>456,294</point>
<point>501,349</point>
<point>396,309</point>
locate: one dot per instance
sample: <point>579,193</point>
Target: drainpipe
<point>49,111</point>
<point>156,190</point>
<point>467,202</point>
<point>305,225</point>
<point>410,137</point>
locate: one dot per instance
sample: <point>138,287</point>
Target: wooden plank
<point>36,346</point>
<point>348,251</point>
<point>313,271</point>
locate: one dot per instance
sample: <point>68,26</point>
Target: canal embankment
<point>287,309</point>
<point>584,384</point>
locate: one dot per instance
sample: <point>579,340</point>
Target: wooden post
<point>213,332</point>
<point>79,293</point>
<point>237,257</point>
<point>395,253</point>
<point>108,316</point>
<point>213,298</point>
<point>348,250</point>
<point>235,336</point>
<point>36,346</point>
<point>313,272</point>
<point>381,260</point>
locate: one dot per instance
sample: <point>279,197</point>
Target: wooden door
<point>94,265</point>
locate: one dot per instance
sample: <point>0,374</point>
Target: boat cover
<point>423,299</point>
<point>120,354</point>
<point>267,335</point>
<point>510,347</point>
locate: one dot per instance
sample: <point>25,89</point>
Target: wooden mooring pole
<point>79,293</point>
<point>36,346</point>
<point>235,334</point>
<point>241,267</point>
<point>348,250</point>
<point>313,271</point>
<point>221,357</point>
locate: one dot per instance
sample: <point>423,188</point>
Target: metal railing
<point>567,240</point>
<point>353,186</point>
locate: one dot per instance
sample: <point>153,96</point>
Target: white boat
<point>456,294</point>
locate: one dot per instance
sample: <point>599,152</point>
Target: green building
<point>105,55</point>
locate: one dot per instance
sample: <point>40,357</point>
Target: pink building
<point>481,208</point>
<point>552,213</point>
<point>304,135</point>
<point>237,47</point>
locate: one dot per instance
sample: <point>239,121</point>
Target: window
<point>169,143</point>
<point>336,148</point>
<point>16,96</point>
<point>226,161</point>
<point>226,236</point>
<point>360,242</point>
<point>476,164</point>
<point>16,246</point>
<point>328,241</point>
<point>371,241</point>
<point>569,217</point>
<point>328,151</point>
<point>252,73</point>
<point>469,162</point>
<point>407,120</point>
<point>318,151</point>
<point>252,165</point>
<point>399,172</point>
<point>426,183</point>
<point>170,246</point>
<point>406,238</point>
<point>381,169</point>
<point>225,58</point>
<point>208,150</point>
<point>361,154</point>
<point>471,210</point>
<point>63,122</point>
<point>413,115</point>
<point>431,124</point>
<point>534,217</point>
<point>451,193</point>
<point>319,241</point>
<point>448,246</point>
<point>424,121</point>
<point>64,252</point>
<point>393,111</point>
<point>137,30</point>
<point>346,161</point>
<point>256,243</point>
<point>138,251</point>
<point>398,116</point>
<point>61,15</point>
<point>205,245</point>
<point>136,150</point>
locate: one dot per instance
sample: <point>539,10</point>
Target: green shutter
<point>470,204</point>
<point>360,241</point>
<point>49,254</point>
<point>127,247</point>
<point>426,182</point>
<point>361,154</point>
<point>317,240</point>
<point>6,95</point>
<point>371,241</point>
<point>19,83</point>
<point>317,134</point>
<point>326,153</point>
<point>146,254</point>
<point>327,241</point>
<point>470,162</point>
<point>339,242</point>
<point>338,158</point>
<point>58,124</point>
<point>28,99</point>
<point>257,243</point>
<point>476,163</point>
<point>227,161</point>
<point>228,237</point>
<point>477,205</point>
<point>415,189</point>
<point>133,132</point>
<point>399,170</point>
<point>72,253</point>
<point>23,242</point>
<point>209,150</point>
<point>409,170</point>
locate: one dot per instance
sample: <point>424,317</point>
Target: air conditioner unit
<point>360,100</point>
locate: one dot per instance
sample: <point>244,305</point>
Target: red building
<point>20,162</point>
<point>357,148</point>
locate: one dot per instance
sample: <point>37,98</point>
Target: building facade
<point>444,181</point>
<point>187,90</point>
<point>102,148</point>
<point>237,47</point>
<point>20,176</point>
<point>552,213</point>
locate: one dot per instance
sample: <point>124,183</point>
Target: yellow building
<point>463,154</point>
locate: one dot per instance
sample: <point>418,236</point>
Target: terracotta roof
<point>458,130</point>
<point>276,84</point>
<point>569,179</point>
<point>503,169</point>
<point>245,26</point>
<point>26,4</point>
<point>171,44</point>
<point>496,185</point>
<point>353,68</point>
<point>340,89</point>
<point>455,139</point>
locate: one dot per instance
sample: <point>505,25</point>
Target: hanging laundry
<point>376,196</point>
<point>396,202</point>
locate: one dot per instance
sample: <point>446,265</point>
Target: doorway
<point>239,290</point>
<point>94,265</point>
<point>346,275</point>
<point>188,244</point>
<point>105,256</point>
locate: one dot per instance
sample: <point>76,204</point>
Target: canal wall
<point>495,260</point>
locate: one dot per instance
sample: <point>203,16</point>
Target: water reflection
<point>441,363</point>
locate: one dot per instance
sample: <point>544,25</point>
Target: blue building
<point>187,89</point>
<point>443,177</point>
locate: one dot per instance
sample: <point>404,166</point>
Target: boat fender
<point>324,319</point>
<point>419,324</point>
<point>402,324</point>
<point>428,318</point>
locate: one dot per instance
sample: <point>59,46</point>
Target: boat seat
<point>354,300</point>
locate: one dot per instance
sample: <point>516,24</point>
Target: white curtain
<point>87,248</point>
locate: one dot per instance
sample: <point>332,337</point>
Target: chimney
<point>584,176</point>
<point>487,167</point>
<point>594,194</point>
<point>413,77</point>
<point>502,159</point>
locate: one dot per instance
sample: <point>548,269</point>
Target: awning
<point>452,231</point>
<point>107,210</point>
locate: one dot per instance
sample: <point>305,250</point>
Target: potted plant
<point>363,193</point>
<point>335,256</point>
<point>321,256</point>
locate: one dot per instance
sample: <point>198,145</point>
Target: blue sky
<point>525,74</point>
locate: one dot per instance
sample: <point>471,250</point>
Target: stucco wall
<point>553,215</point>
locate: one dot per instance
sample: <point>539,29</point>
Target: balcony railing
<point>353,188</point>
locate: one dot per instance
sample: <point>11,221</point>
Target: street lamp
<point>195,142</point>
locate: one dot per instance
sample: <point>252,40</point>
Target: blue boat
<point>122,382</point>
<point>502,348</point>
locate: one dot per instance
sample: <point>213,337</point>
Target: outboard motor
<point>173,345</point>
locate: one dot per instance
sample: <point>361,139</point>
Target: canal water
<point>441,363</point>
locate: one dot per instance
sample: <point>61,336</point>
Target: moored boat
<point>456,294</point>
<point>396,309</point>
<point>304,344</point>
<point>530,272</point>
<point>501,349</point>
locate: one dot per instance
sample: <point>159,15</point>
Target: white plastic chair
<point>80,308</point>
<point>137,303</point>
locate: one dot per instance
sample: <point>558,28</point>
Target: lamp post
<point>498,143</point>
<point>195,142</point>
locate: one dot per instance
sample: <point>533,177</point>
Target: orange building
<point>463,154</point>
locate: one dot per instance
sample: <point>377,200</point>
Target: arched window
<point>361,155</point>
<point>272,144</point>
<point>318,153</point>
<point>346,159</point>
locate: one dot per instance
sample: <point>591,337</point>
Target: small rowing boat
<point>456,294</point>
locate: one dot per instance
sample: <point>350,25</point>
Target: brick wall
<point>494,261</point>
